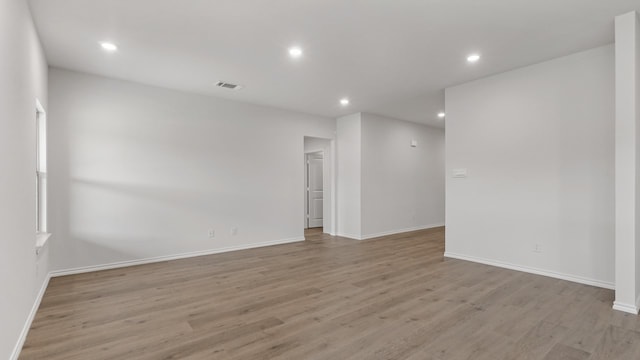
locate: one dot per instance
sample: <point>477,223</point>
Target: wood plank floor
<point>394,297</point>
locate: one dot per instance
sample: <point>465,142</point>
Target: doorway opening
<point>319,182</point>
<point>315,190</point>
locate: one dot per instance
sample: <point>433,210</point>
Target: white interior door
<point>315,190</point>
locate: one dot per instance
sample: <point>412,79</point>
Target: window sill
<point>41,241</point>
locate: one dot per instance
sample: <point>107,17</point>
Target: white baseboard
<point>348,236</point>
<point>27,325</point>
<point>617,305</point>
<point>400,231</point>
<point>633,309</point>
<point>553,274</point>
<point>387,233</point>
<point>120,264</point>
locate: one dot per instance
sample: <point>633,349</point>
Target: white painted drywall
<point>402,186</point>
<point>538,144</point>
<point>23,78</point>
<point>312,144</point>
<point>348,189</point>
<point>140,172</point>
<point>385,186</point>
<point>627,145</point>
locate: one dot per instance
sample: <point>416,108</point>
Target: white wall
<point>385,186</point>
<point>23,78</point>
<point>627,140</point>
<point>312,144</point>
<point>349,176</point>
<point>538,144</point>
<point>141,172</point>
<point>402,186</point>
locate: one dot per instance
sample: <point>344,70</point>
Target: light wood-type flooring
<point>395,297</point>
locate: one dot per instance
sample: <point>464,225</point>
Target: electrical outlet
<point>234,231</point>
<point>212,233</point>
<point>537,248</point>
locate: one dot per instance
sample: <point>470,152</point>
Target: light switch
<point>414,143</point>
<point>459,173</point>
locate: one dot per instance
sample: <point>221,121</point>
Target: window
<point>41,170</point>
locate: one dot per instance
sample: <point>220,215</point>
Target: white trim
<point>349,236</point>
<point>333,228</point>
<point>41,241</point>
<point>400,231</point>
<point>387,233</point>
<point>553,274</point>
<point>41,168</point>
<point>625,308</point>
<point>27,325</point>
<point>120,264</point>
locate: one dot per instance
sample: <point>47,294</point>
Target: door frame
<point>307,194</point>
<point>329,177</point>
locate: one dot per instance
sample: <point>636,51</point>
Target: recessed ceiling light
<point>109,46</point>
<point>473,58</point>
<point>295,52</point>
<point>344,102</point>
<point>441,115</point>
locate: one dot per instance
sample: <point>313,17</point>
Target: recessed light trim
<point>441,115</point>
<point>473,58</point>
<point>109,46</point>
<point>295,52</point>
<point>344,101</point>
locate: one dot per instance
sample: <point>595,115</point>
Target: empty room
<point>321,179</point>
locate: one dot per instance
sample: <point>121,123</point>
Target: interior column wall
<point>627,240</point>
<point>349,178</point>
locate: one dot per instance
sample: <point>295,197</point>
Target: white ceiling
<point>390,57</point>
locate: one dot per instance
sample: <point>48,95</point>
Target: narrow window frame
<point>42,234</point>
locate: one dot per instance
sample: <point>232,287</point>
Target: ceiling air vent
<point>227,85</point>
